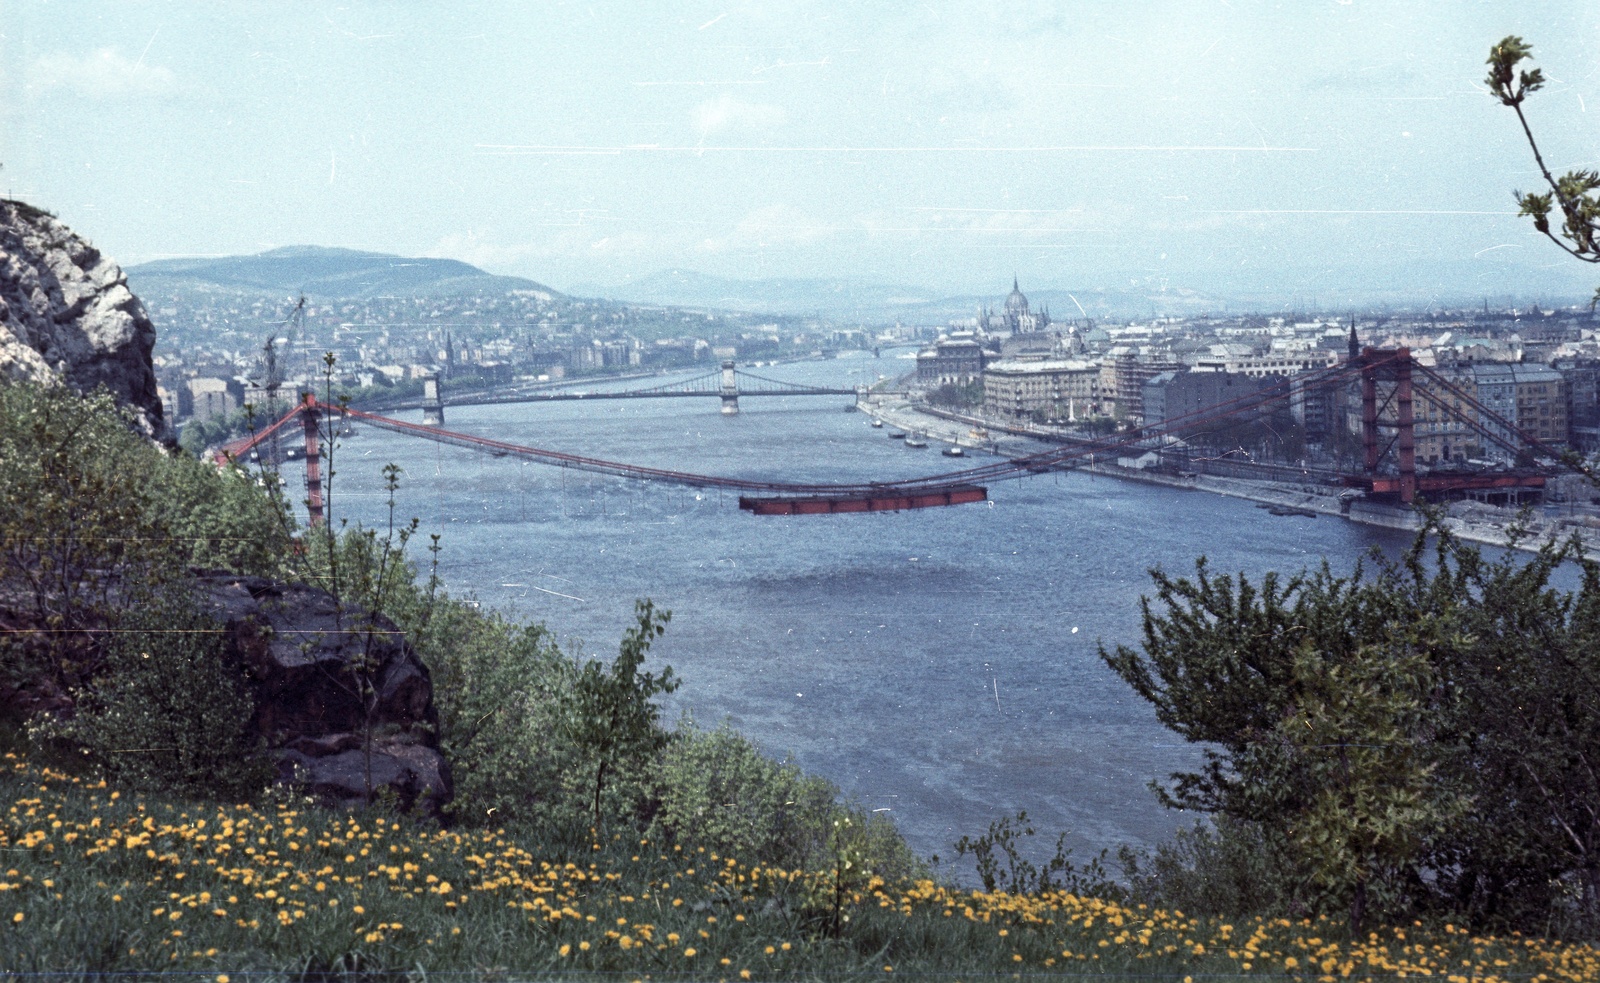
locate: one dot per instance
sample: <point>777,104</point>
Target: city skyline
<point>1345,151</point>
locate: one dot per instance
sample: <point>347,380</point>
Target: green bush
<point>1415,740</point>
<point>1222,868</point>
<point>97,526</point>
<point>230,518</point>
<point>166,713</point>
<point>1019,875</point>
<point>496,687</point>
<point>719,791</point>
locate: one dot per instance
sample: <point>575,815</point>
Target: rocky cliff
<point>66,314</point>
<point>300,656</point>
<point>322,719</point>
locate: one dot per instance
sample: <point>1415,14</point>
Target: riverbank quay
<point>1471,521</point>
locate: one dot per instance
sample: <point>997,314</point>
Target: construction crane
<point>271,376</point>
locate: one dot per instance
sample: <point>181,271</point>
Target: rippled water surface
<point>941,664</point>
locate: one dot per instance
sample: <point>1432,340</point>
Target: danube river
<point>939,664</point>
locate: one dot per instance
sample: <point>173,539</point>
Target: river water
<point>940,664</point>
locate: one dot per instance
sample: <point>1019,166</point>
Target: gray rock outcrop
<point>325,720</point>
<point>67,315</point>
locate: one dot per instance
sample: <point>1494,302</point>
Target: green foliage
<point>230,519</point>
<point>97,526</point>
<point>1225,868</point>
<point>953,397</point>
<point>1365,797</point>
<point>496,689</point>
<point>91,515</point>
<point>1503,80</point>
<point>1100,426</point>
<point>1416,740</point>
<point>197,435</point>
<point>1021,876</point>
<point>606,712</point>
<point>72,515</point>
<point>165,713</point>
<point>1573,193</point>
<point>719,791</point>
<point>1522,738</point>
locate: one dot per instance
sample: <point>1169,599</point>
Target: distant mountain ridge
<point>320,271</point>
<point>330,273</point>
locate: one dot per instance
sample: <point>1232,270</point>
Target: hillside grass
<point>94,882</point>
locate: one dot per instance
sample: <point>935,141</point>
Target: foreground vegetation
<point>96,881</point>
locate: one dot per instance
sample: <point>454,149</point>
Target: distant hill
<point>322,272</point>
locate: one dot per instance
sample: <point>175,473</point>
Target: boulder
<point>67,315</point>
<point>336,692</point>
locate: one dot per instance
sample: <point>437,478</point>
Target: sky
<point>1224,146</point>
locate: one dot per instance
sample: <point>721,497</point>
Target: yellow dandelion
<point>17,918</point>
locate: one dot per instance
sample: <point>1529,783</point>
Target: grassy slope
<point>95,881</point>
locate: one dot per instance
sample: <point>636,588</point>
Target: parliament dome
<point>1016,303</point>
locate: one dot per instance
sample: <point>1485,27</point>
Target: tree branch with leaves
<point>1573,193</point>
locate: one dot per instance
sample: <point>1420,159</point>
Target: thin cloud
<point>725,113</point>
<point>103,74</point>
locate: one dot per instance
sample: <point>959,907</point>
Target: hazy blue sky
<point>1221,145</point>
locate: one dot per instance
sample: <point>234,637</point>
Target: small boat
<point>896,435</point>
<point>954,450</point>
<point>916,441</point>
<point>877,423</point>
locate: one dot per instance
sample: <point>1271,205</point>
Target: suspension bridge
<point>727,383</point>
<point>1387,382</point>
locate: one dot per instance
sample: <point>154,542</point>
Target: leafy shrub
<point>229,519</point>
<point>1418,740</point>
<point>166,713</point>
<point>1020,876</point>
<point>606,712</point>
<point>1224,868</point>
<point>953,397</point>
<point>496,686</point>
<point>719,791</point>
<point>96,528</point>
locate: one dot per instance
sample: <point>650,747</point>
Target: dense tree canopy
<point>1421,735</point>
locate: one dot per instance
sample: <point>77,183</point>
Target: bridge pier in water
<point>432,402</point>
<point>730,390</point>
